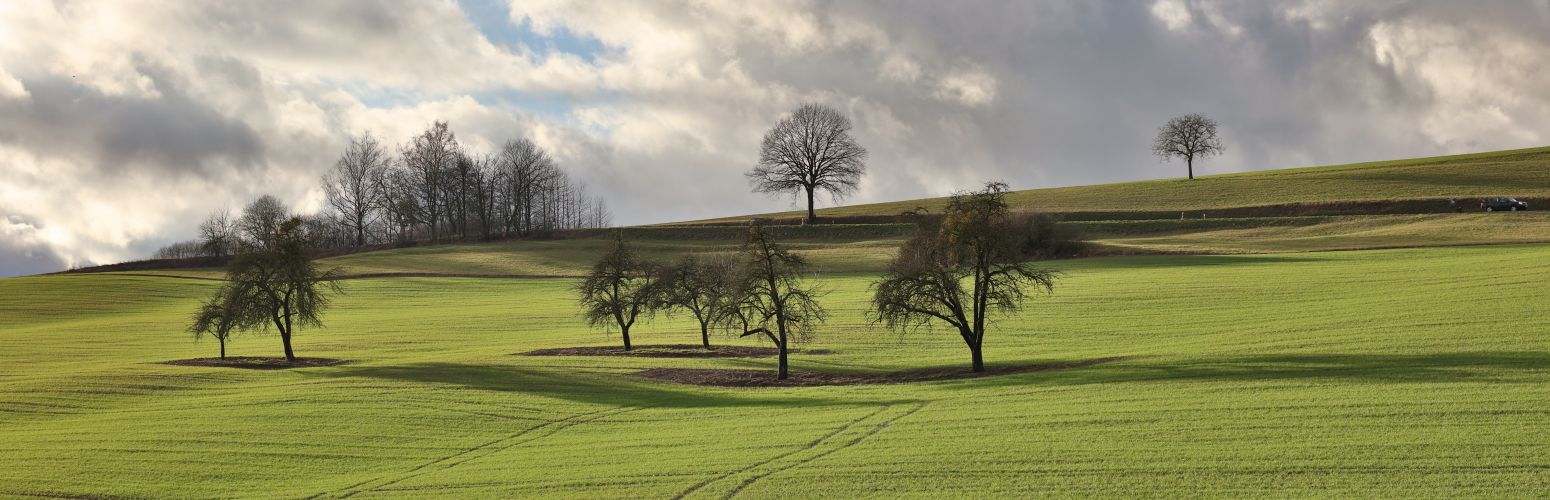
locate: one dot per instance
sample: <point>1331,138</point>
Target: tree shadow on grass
<point>579,386</point>
<point>1475,366</point>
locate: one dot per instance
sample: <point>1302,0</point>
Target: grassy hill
<point>1521,173</point>
<point>1380,373</point>
<point>1402,372</point>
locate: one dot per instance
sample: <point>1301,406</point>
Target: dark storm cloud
<point>171,133</point>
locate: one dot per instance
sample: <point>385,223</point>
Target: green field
<point>1257,361</point>
<point>1521,173</point>
<point>1411,372</point>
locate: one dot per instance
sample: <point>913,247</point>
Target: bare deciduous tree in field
<point>273,281</point>
<point>354,186</point>
<point>259,225</point>
<point>703,287</point>
<point>961,271</point>
<point>808,151</point>
<point>429,158</point>
<point>772,299</point>
<point>618,290</point>
<point>484,195</point>
<point>1189,137</point>
<point>218,235</point>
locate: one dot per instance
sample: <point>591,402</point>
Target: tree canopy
<point>1189,137</point>
<point>808,151</point>
<point>961,271</point>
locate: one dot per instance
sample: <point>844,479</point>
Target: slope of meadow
<point>1520,173</point>
<point>1416,372</point>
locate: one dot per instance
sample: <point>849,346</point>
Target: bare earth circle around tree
<point>766,378</point>
<point>667,351</point>
<point>257,362</point>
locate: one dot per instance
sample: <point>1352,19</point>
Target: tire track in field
<point>872,432</point>
<point>811,445</point>
<point>545,429</point>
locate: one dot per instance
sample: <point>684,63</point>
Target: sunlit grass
<point>1416,372</point>
<point>1520,173</point>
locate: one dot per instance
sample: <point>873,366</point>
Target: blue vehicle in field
<point>1502,205</point>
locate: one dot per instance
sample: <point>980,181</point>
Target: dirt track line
<point>809,446</point>
<point>553,427</point>
<point>876,429</point>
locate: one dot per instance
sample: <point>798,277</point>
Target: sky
<point>125,122</point>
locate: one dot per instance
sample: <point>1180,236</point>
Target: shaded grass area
<point>721,377</point>
<point>257,362</point>
<point>1376,373</point>
<point>661,351</point>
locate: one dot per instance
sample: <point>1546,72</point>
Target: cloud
<point>10,87</point>
<point>1174,14</point>
<point>124,122</point>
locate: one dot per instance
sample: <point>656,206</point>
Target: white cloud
<point>1174,14</point>
<point>972,88</point>
<point>10,87</point>
<point>208,104</point>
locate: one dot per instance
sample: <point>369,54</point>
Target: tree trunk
<point>705,335</point>
<point>783,374</point>
<point>223,348</point>
<point>285,335</point>
<point>625,331</point>
<point>360,234</point>
<point>976,351</point>
<point>1190,164</point>
<point>285,338</point>
<point>811,215</point>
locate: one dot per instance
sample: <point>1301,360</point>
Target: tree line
<point>431,189</point>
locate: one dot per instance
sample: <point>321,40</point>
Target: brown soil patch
<point>667,351</point>
<point>766,378</point>
<point>257,362</point>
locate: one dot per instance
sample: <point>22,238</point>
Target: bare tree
<point>526,168</point>
<point>458,190</point>
<point>218,234</point>
<point>1189,137</point>
<point>260,222</point>
<point>961,271</point>
<point>485,184</point>
<point>808,151</point>
<point>428,157</point>
<point>704,288</point>
<point>401,205</point>
<point>772,299</point>
<point>354,186</point>
<point>618,290</point>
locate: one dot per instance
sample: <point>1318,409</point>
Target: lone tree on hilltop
<point>808,151</point>
<point>618,290</point>
<point>273,280</point>
<point>962,270</point>
<point>703,287</point>
<point>1190,136</point>
<point>354,187</point>
<point>772,299</point>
